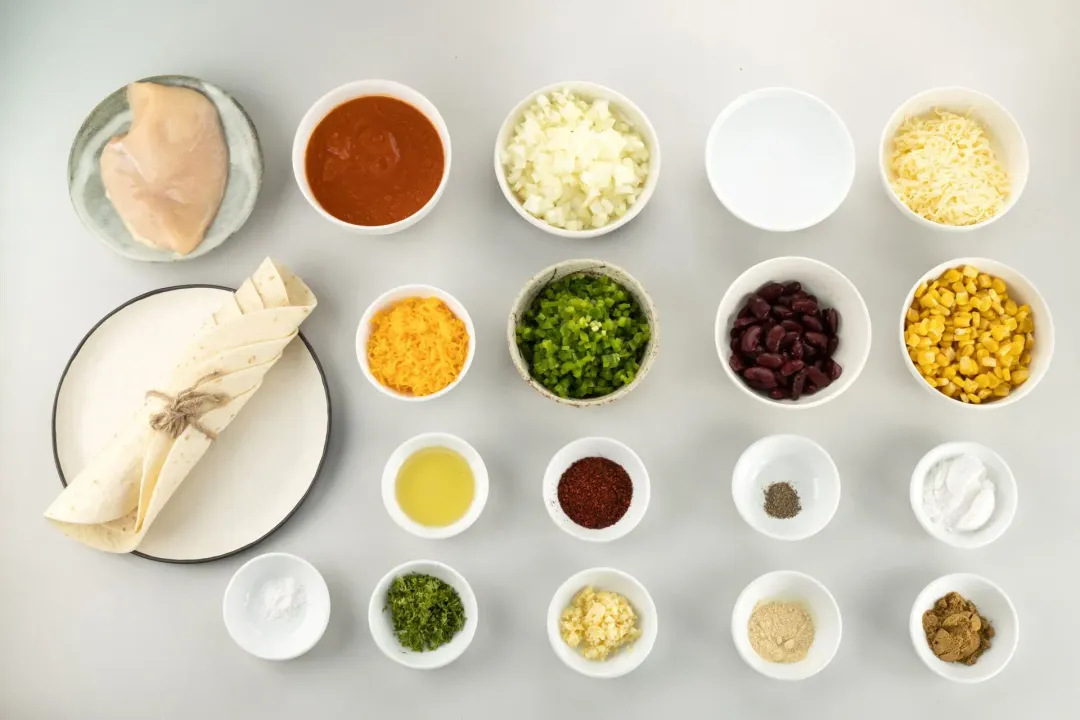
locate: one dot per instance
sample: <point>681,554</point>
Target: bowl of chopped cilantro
<point>583,332</point>
<point>423,614</point>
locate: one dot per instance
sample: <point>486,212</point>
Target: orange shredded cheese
<point>417,346</point>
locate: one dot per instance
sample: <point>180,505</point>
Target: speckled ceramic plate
<point>112,117</point>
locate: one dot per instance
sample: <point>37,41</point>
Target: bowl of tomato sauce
<point>372,156</point>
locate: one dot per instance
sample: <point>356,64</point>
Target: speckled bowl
<point>112,117</point>
<point>596,267</point>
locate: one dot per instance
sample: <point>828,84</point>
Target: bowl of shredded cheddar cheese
<point>415,342</point>
<point>953,159</point>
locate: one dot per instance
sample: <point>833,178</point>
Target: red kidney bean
<point>758,307</point>
<point>832,321</point>
<point>798,384</point>
<point>792,287</point>
<point>770,360</point>
<point>770,291</point>
<point>764,377</point>
<point>806,305</point>
<point>811,323</point>
<point>784,300</point>
<point>774,337</point>
<point>779,393</point>
<point>741,322</point>
<point>834,342</point>
<point>736,363</point>
<point>798,349</point>
<point>816,376</point>
<point>736,344</point>
<point>751,339</point>
<point>782,312</point>
<point>791,326</point>
<point>745,312</point>
<point>816,339</point>
<point>789,339</point>
<point>833,369</point>
<point>791,367</point>
<point>811,388</point>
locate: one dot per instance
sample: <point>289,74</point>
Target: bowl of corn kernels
<point>976,332</point>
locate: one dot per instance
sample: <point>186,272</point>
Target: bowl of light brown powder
<point>786,625</point>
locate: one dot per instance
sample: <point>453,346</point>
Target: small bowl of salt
<point>277,606</point>
<point>963,494</point>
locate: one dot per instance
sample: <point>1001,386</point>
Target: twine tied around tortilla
<point>186,409</point>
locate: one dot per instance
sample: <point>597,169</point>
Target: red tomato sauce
<point>374,160</point>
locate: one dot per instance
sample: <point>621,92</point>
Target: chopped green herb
<point>426,611</point>
<point>584,336</point>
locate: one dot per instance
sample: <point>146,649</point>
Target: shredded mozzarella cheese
<point>944,169</point>
<point>574,164</point>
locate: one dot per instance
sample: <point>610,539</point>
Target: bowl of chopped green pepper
<point>583,332</point>
<point>423,614</point>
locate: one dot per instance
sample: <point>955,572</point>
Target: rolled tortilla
<point>112,503</point>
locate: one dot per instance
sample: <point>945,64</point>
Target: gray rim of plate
<point>111,117</point>
<point>318,470</point>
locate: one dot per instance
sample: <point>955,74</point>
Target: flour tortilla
<point>113,501</point>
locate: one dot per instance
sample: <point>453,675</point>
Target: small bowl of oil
<point>435,485</point>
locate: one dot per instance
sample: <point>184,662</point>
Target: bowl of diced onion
<point>953,159</point>
<point>577,159</point>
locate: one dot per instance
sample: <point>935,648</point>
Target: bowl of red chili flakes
<point>596,489</point>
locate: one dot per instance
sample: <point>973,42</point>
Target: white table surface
<point>88,635</point>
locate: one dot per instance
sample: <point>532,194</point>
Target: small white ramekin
<point>363,332</point>
<point>398,458</point>
<point>351,91</point>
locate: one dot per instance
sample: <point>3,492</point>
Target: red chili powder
<point>595,492</point>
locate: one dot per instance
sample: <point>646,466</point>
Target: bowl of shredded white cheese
<point>953,159</point>
<point>577,159</point>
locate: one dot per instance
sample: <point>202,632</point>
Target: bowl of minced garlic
<point>953,159</point>
<point>976,332</point>
<point>602,623</point>
<point>415,342</point>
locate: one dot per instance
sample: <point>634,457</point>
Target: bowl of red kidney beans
<point>792,331</point>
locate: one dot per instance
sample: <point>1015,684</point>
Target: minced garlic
<point>418,346</point>
<point>601,622</point>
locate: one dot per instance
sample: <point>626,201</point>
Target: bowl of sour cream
<point>963,494</point>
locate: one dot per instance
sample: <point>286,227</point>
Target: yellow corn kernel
<point>929,300</point>
<point>984,281</point>
<point>920,290</point>
<point>1020,376</point>
<point>948,373</point>
<point>962,319</point>
<point>1001,391</point>
<point>989,343</point>
<point>925,342</point>
<point>951,390</point>
<point>1027,326</point>
<point>962,297</point>
<point>958,286</point>
<point>1010,324</point>
<point>981,352</point>
<point>1025,359</point>
<point>983,394</point>
<point>912,315</point>
<point>999,332</point>
<point>983,381</point>
<point>969,272</point>
<point>926,357</point>
<point>992,381</point>
<point>971,286</point>
<point>975,399</point>
<point>966,351</point>
<point>932,381</point>
<point>968,366</point>
<point>911,339</point>
<point>988,362</point>
<point>970,386</point>
<point>1010,307</point>
<point>998,286</point>
<point>946,298</point>
<point>1006,375</point>
<point>942,359</point>
<point>1017,345</point>
<point>964,398</point>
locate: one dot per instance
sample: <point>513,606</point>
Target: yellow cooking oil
<point>435,486</point>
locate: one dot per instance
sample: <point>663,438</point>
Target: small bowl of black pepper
<point>596,489</point>
<point>786,487</point>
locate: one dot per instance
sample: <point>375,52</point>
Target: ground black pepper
<point>782,501</point>
<point>595,492</point>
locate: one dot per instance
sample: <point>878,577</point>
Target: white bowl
<point>1006,140</point>
<point>626,659</point>
<point>597,447</point>
<point>398,458</point>
<point>282,638</point>
<point>993,604</point>
<point>351,91</point>
<point>833,290</point>
<point>388,298</point>
<point>382,626</point>
<point>780,159</point>
<point>622,108</point>
<point>819,496</point>
<point>1023,292</point>
<point>789,586</point>
<point>1005,494</point>
<point>560,270</point>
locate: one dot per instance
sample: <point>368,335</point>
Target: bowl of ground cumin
<point>964,628</point>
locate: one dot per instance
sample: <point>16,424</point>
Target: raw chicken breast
<point>166,176</point>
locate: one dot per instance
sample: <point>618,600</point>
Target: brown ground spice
<point>955,630</point>
<point>595,492</point>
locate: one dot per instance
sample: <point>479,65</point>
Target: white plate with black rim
<point>250,481</point>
